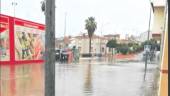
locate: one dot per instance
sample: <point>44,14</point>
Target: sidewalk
<point>125,58</point>
<point>128,57</point>
<point>118,57</point>
<point>121,56</point>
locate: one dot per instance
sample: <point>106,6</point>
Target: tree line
<point>132,47</point>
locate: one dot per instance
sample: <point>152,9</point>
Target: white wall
<point>158,20</point>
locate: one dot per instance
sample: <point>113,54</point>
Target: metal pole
<point>50,48</point>
<point>145,65</point>
<point>14,4</point>
<point>147,53</point>
<point>65,24</point>
<point>101,40</point>
<point>65,28</point>
<point>149,24</point>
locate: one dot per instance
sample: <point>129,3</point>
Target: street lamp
<point>43,6</point>
<point>151,9</point>
<point>147,46</point>
<point>101,36</point>
<point>65,21</point>
<point>14,4</point>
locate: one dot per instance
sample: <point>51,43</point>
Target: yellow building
<point>163,84</point>
<point>160,28</point>
<point>158,22</point>
<point>160,32</point>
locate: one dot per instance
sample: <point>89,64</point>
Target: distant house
<point>98,44</point>
<point>59,43</point>
<point>67,40</point>
<point>142,37</point>
<point>112,36</point>
<point>123,41</point>
<point>62,42</point>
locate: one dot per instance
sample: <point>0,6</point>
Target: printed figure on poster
<point>29,43</point>
<point>4,41</point>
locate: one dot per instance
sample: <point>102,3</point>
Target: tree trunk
<point>50,48</point>
<point>90,46</point>
<point>112,55</point>
<point>112,52</point>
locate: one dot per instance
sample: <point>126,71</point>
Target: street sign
<point>147,48</point>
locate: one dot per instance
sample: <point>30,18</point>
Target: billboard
<point>21,40</point>
<point>29,39</point>
<point>4,38</point>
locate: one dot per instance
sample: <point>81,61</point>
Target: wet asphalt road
<point>89,77</point>
<point>101,78</point>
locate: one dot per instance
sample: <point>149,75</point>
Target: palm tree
<point>90,26</point>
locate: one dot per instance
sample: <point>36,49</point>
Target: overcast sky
<point>112,16</point>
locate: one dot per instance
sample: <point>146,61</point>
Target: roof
<point>112,35</point>
<point>85,36</point>
<point>159,3</point>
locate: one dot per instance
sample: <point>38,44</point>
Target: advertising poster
<point>4,38</point>
<point>29,40</point>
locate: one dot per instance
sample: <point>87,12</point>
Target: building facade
<point>98,44</point>
<point>141,37</point>
<point>158,23</point>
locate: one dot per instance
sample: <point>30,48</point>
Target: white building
<point>98,44</point>
<point>142,37</point>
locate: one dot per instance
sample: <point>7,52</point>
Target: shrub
<point>123,49</point>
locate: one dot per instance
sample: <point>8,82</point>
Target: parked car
<point>57,54</point>
<point>64,55</point>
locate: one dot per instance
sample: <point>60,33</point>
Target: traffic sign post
<point>146,50</point>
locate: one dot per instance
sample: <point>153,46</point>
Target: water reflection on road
<point>22,80</point>
<point>86,78</point>
<point>103,79</point>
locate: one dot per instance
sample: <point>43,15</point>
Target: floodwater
<point>89,77</point>
<point>22,80</point>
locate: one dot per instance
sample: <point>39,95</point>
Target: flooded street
<point>103,79</point>
<point>22,80</point>
<point>86,78</point>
